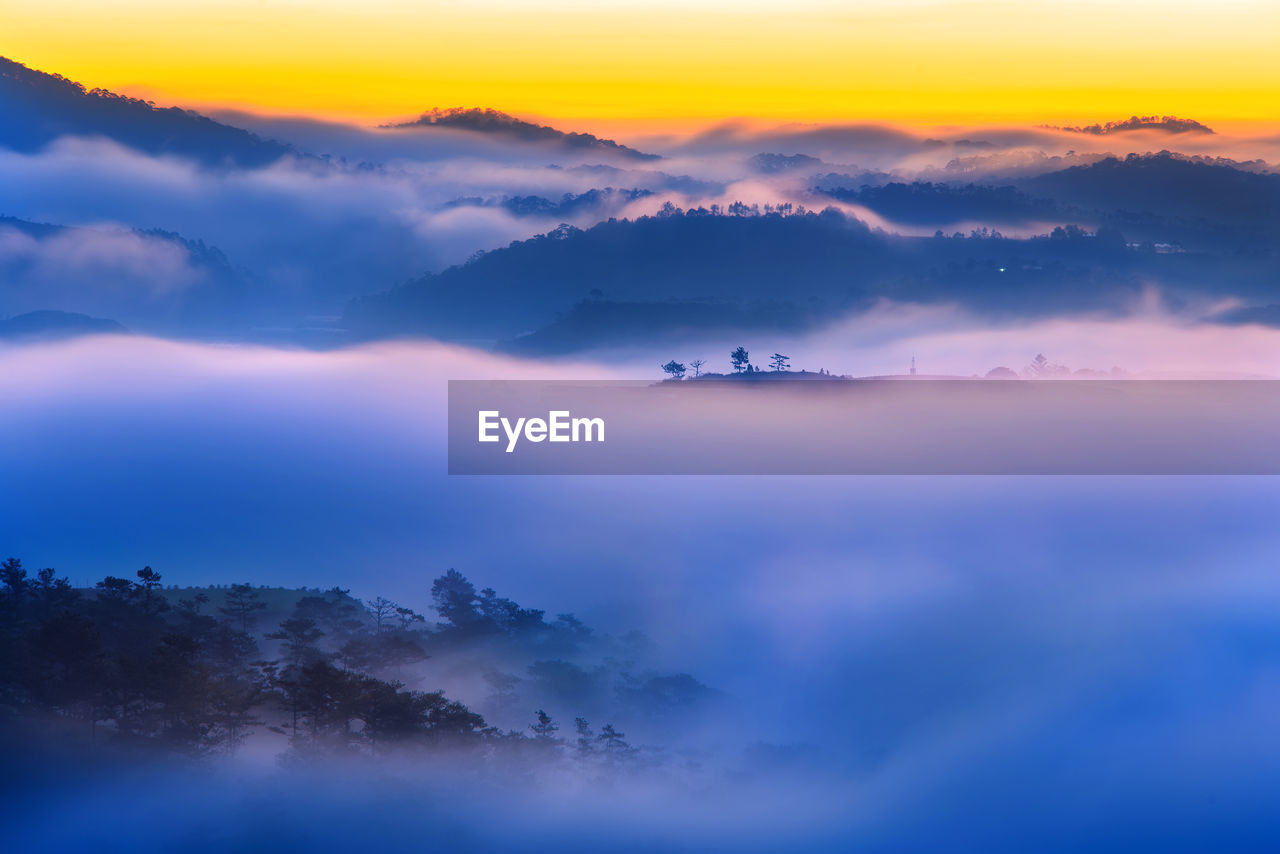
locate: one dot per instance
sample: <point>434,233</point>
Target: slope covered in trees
<point>941,204</point>
<point>46,325</point>
<point>685,271</point>
<point>38,108</point>
<point>1167,124</point>
<point>200,671</point>
<point>1213,194</point>
<point>146,279</point>
<point>489,121</point>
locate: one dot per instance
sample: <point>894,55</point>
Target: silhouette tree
<point>508,616</point>
<point>613,743</point>
<point>1041,368</point>
<point>545,729</point>
<point>780,362</point>
<point>406,617</point>
<point>675,369</point>
<point>242,604</point>
<point>148,583</point>
<point>115,590</point>
<point>455,600</point>
<point>697,364</point>
<point>299,635</point>
<point>53,593</point>
<point>14,579</point>
<point>586,737</point>
<point>139,673</point>
<point>740,359</point>
<point>381,609</point>
<point>338,615</point>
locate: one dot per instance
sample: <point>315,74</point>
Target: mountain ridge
<point>39,107</point>
<point>490,121</point>
<point>1166,124</point>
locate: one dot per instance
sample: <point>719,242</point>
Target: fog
<point>307,233</point>
<point>887,664</point>
<point>907,663</point>
<point>969,649</point>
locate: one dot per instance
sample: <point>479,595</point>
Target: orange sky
<point>928,61</point>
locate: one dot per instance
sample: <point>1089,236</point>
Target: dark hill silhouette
<point>36,108</point>
<point>1202,205</point>
<point>56,324</point>
<point>942,204</point>
<point>1168,184</point>
<point>593,324</point>
<point>31,229</point>
<point>506,292</point>
<point>683,271</point>
<point>490,121</point>
<point>772,164</point>
<point>220,299</point>
<point>194,672</point>
<point>568,205</point>
<point>1165,124</point>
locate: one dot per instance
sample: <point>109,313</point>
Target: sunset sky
<point>926,61</point>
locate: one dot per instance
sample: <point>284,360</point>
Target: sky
<point>920,61</point>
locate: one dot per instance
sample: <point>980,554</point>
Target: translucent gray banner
<point>784,426</point>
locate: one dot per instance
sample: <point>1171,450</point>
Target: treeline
<point>122,664</point>
<point>39,108</point>
<point>680,275</point>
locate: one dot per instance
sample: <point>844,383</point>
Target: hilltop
<point>56,324</point>
<point>488,121</point>
<point>1167,124</point>
<point>39,108</point>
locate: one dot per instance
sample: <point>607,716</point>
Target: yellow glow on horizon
<point>929,61</point>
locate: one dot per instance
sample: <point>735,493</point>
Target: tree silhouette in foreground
<point>243,603</point>
<point>124,665</point>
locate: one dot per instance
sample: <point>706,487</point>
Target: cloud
<point>101,269</point>
<point>310,235</point>
<point>309,232</point>
<point>938,644</point>
<point>323,232</point>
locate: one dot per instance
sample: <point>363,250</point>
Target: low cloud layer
<point>893,647</point>
<point>312,233</point>
<point>92,269</point>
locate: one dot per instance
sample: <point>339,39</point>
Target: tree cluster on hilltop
<point>488,120</point>
<point>126,665</point>
<point>1168,124</point>
<point>39,107</point>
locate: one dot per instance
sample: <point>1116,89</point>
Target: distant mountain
<point>38,230</point>
<point>1168,196</point>
<point>506,292</point>
<point>772,164</point>
<point>36,108</point>
<point>598,324</point>
<point>56,324</point>
<point>153,280</point>
<point>567,206</point>
<point>498,123</point>
<point>923,202</point>
<point>626,281</point>
<point>1167,124</point>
